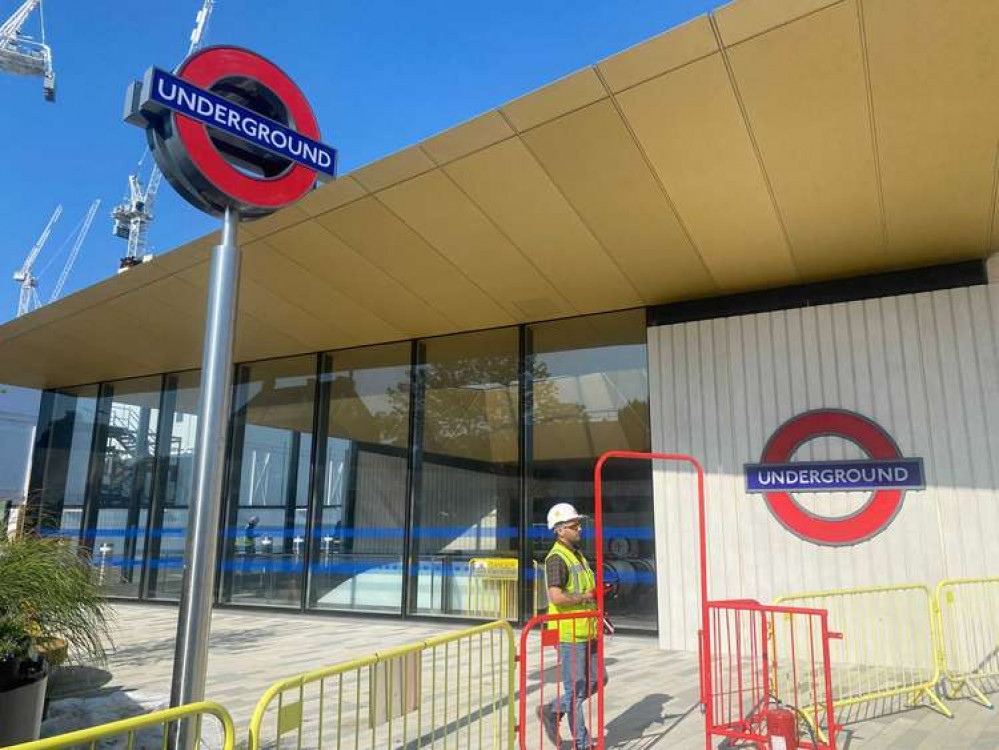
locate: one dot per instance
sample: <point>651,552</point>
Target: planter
<point>21,706</point>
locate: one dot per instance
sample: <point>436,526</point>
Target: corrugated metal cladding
<point>924,366</point>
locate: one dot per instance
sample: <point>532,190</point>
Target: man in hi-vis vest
<point>571,588</point>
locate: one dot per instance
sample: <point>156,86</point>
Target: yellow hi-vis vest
<point>581,580</point>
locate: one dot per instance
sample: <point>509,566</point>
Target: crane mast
<point>23,55</point>
<point>133,215</point>
<point>24,277</point>
<point>75,251</point>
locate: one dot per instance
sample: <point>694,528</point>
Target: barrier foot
<point>979,697</point>
<point>936,703</point>
<point>976,694</point>
<point>820,734</point>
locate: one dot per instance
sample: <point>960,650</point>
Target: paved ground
<point>651,699</point>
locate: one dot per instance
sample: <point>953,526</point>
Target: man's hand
<point>559,598</point>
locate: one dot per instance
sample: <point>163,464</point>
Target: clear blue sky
<point>380,75</point>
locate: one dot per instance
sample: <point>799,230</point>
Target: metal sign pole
<point>193,627</point>
<point>178,111</point>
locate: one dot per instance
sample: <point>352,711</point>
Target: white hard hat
<point>560,513</point>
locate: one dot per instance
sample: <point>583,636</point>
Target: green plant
<point>48,591</point>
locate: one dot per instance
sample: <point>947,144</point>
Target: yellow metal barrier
<point>968,612</point>
<point>888,648</point>
<point>450,689</point>
<point>146,731</point>
<point>492,587</point>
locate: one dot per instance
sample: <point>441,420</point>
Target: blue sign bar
<point>191,101</point>
<point>836,476</point>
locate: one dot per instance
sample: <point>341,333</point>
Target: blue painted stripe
<point>280,564</point>
<point>422,532</point>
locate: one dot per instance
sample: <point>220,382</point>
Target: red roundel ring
<point>877,512</point>
<point>204,69</point>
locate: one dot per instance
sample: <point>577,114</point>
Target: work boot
<point>549,720</point>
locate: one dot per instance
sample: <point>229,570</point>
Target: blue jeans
<point>577,672</point>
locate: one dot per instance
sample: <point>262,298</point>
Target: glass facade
<point>118,515</point>
<point>425,492</point>
<point>590,394</point>
<point>466,477</point>
<point>269,464</point>
<point>360,512</point>
<point>59,473</point>
<point>172,488</point>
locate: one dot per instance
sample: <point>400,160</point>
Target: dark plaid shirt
<point>557,572</point>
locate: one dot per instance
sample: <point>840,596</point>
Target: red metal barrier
<point>543,655</point>
<point>528,716</point>
<point>598,504</point>
<point>766,661</point>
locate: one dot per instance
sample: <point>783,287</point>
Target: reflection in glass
<point>359,531</point>
<point>590,395</point>
<point>174,477</point>
<point>59,475</point>
<point>126,463</point>
<point>269,482</point>
<point>466,479</point>
<point>128,496</point>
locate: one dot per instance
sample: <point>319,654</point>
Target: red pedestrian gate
<point>544,668</point>
<point>760,663</point>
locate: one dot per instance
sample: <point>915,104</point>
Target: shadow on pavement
<point>629,730</point>
<point>70,680</point>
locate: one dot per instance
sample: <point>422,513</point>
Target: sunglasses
<point>571,525</point>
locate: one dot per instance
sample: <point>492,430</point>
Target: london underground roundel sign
<point>229,129</point>
<point>885,473</point>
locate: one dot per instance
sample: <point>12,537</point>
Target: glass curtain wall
<point>268,482</point>
<point>426,494</point>
<point>466,477</point>
<point>360,513</point>
<point>118,515</point>
<point>63,446</point>
<point>590,394</point>
<point>172,492</point>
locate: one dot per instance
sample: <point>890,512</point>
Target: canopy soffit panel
<point>771,142</point>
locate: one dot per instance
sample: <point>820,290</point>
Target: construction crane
<point>29,283</point>
<point>75,250</point>
<point>29,299</point>
<point>23,55</point>
<point>133,215</point>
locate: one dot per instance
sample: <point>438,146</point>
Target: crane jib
<point>164,90</point>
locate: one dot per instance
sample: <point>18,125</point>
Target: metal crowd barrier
<point>542,682</point>
<point>968,619</point>
<point>889,647</point>
<point>759,659</point>
<point>148,731</point>
<point>456,688</point>
<point>492,587</point>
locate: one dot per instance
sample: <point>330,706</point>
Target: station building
<point>772,210</point>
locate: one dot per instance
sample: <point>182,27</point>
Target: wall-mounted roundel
<point>885,473</point>
<point>230,130</point>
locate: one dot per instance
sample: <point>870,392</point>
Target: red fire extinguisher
<point>782,728</point>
